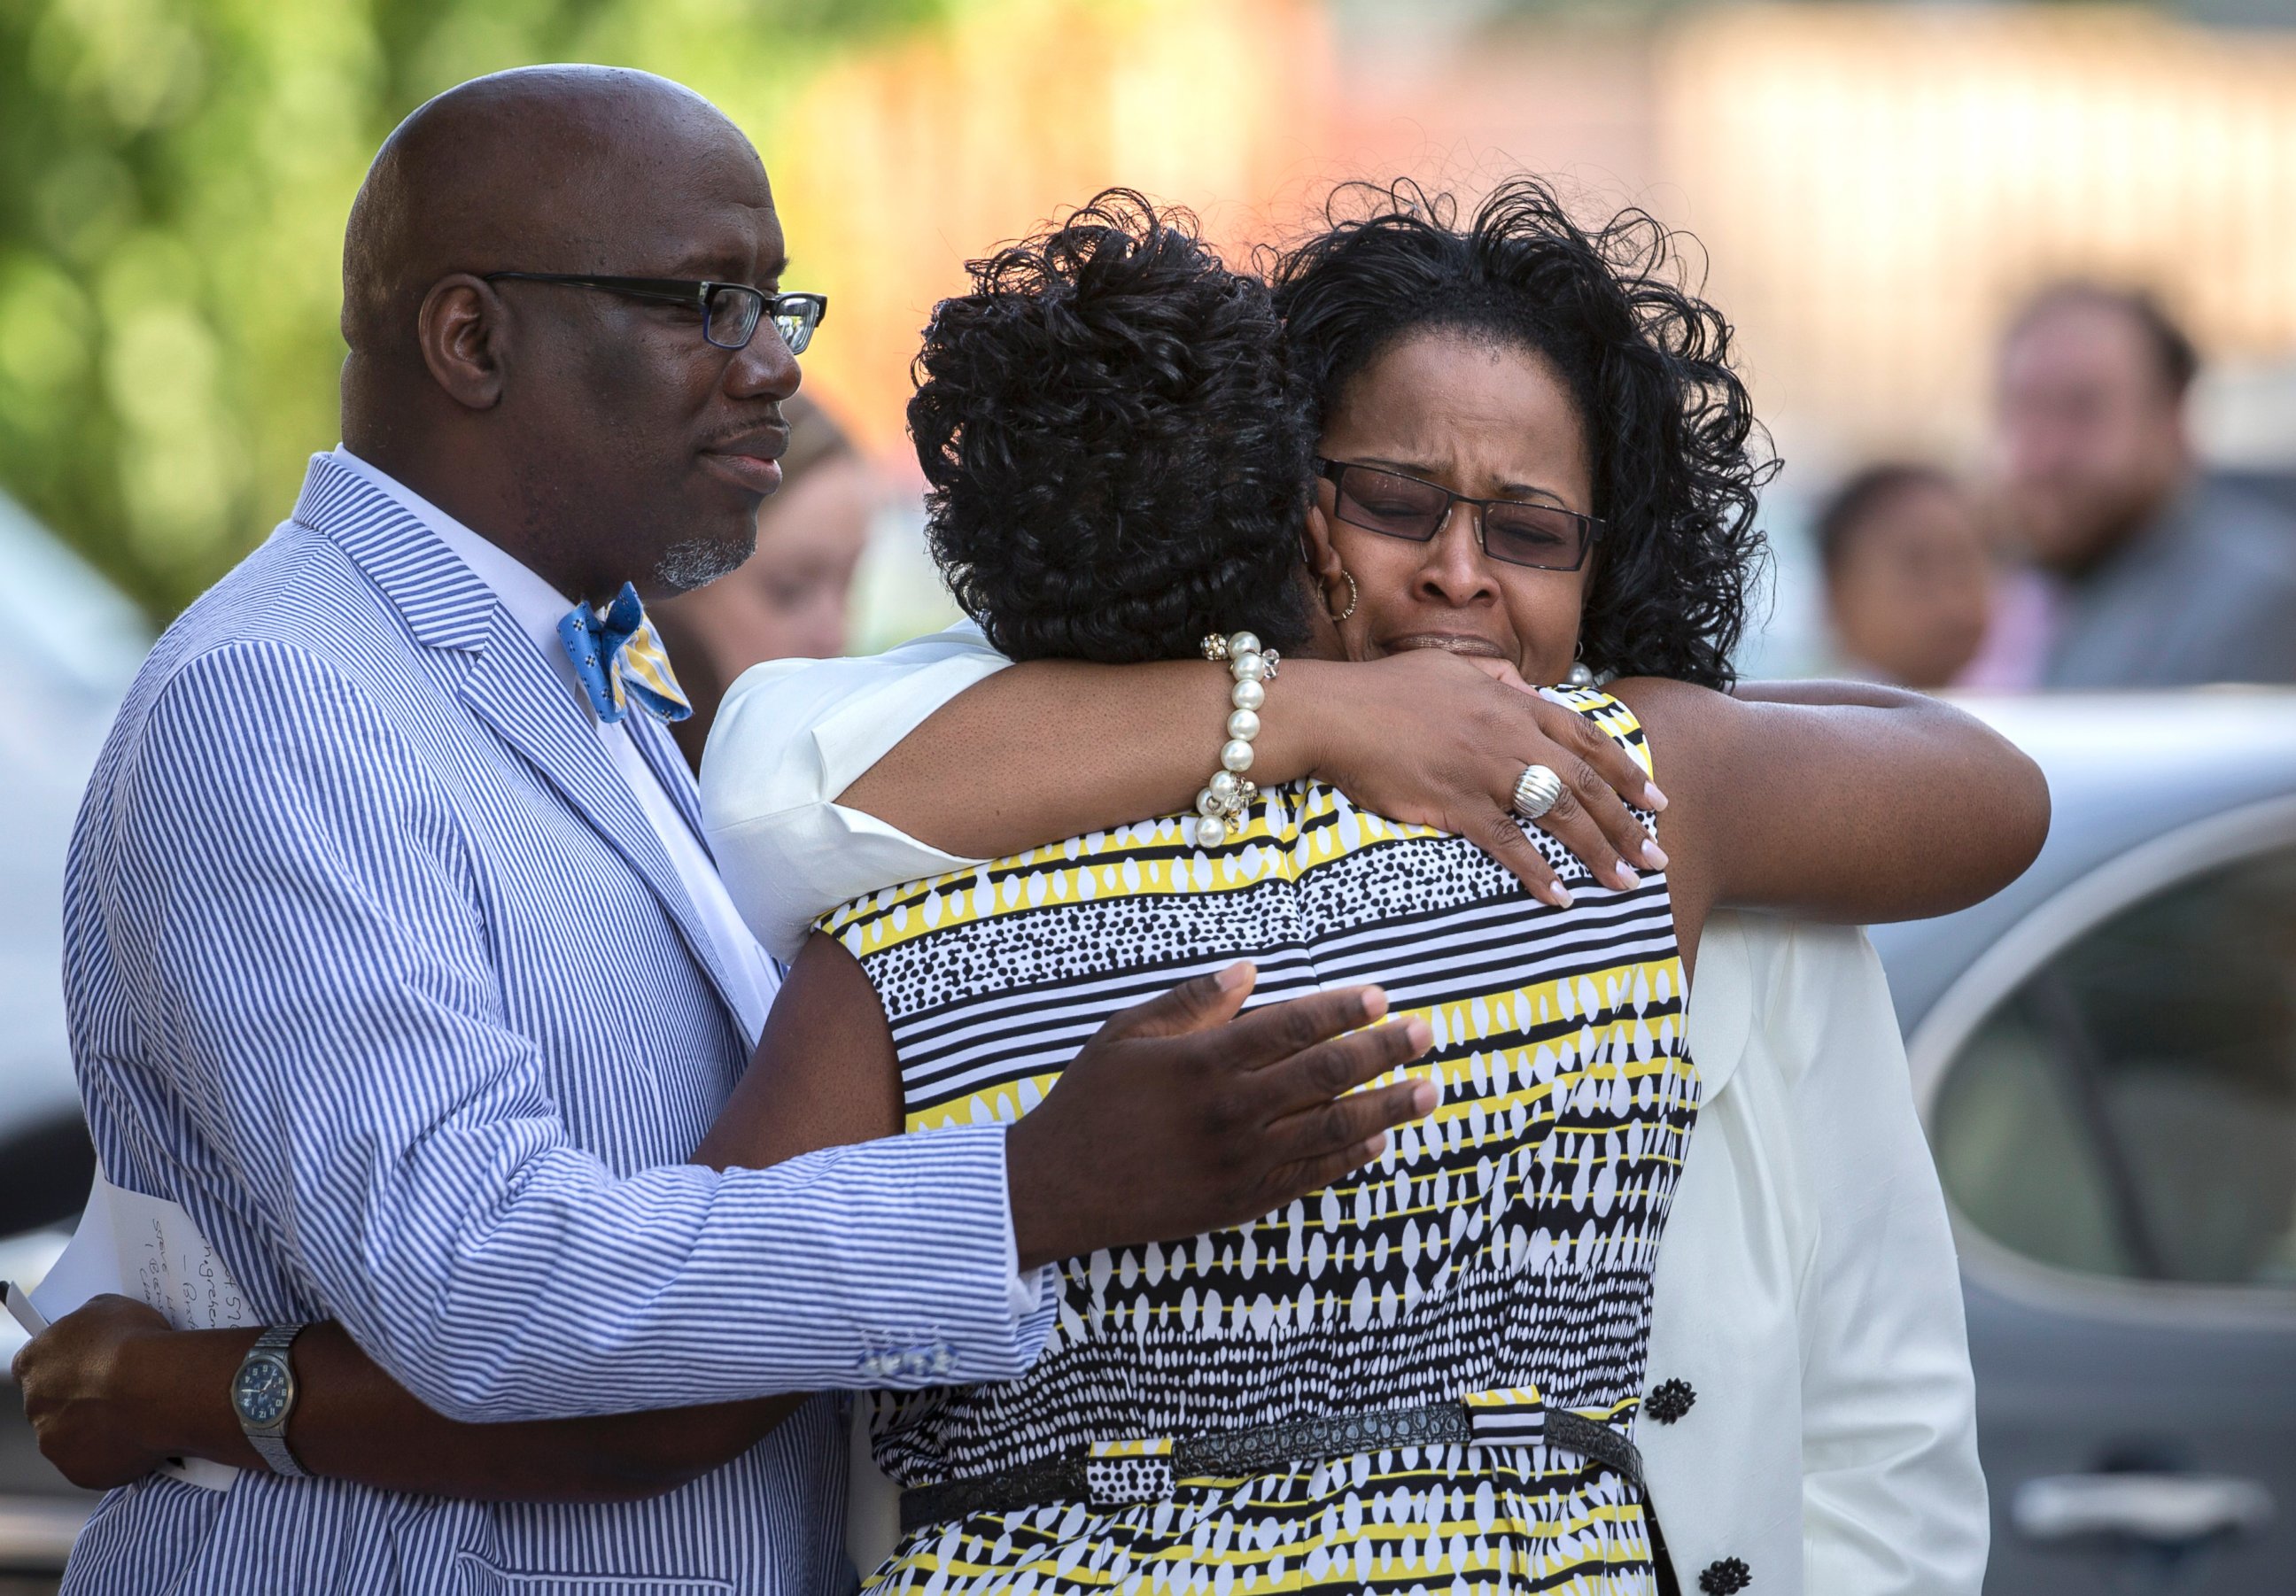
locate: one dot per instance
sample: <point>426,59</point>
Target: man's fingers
<point>1332,1069</point>
<point>1295,1180</point>
<point>1349,1121</point>
<point>1193,1005</point>
<point>1269,1036</point>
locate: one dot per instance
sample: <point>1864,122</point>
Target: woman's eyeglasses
<point>730,312</point>
<point>1544,537</point>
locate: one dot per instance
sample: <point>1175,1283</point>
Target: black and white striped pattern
<point>375,966</point>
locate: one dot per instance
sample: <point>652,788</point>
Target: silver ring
<point>1536,791</point>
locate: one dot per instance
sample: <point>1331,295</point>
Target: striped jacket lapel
<point>443,603</point>
<point>509,687</point>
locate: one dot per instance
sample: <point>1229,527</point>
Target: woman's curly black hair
<point>1118,449</point>
<point>1668,429</point>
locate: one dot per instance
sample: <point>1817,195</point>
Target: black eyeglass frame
<point>1334,471</point>
<point>808,311</point>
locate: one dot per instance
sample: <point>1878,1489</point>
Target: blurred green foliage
<point>174,176</point>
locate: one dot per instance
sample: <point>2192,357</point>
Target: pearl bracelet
<point>1222,804</point>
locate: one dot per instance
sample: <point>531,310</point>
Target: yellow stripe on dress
<point>1110,864</point>
<point>1151,1446</point>
<point>1511,1396</point>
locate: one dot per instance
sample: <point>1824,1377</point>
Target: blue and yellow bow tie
<point>618,658</point>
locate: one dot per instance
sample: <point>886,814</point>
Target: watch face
<point>260,1392</point>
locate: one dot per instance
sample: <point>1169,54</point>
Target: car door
<point>2111,1094</point>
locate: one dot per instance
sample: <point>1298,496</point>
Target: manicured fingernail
<point>1375,1002</point>
<point>1416,1033</point>
<point>1654,855</point>
<point>1424,1096</point>
<point>1558,894</point>
<point>1652,797</point>
<point>1627,876</point>
<point>1235,977</point>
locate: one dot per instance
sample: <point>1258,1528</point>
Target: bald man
<point>395,957</point>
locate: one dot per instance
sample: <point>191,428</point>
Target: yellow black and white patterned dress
<point>1505,1245</point>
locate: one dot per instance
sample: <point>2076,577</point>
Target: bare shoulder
<point>1686,724</point>
<point>1696,736</point>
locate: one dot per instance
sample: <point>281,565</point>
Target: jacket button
<point>1725,1575</point>
<point>1671,1401</point>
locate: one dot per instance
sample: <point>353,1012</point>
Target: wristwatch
<point>263,1394</point>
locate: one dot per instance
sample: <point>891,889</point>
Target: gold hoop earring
<point>1353,594</point>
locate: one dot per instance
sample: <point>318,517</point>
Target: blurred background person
<point>1909,576</point>
<point>2165,576</point>
<point>792,597</point>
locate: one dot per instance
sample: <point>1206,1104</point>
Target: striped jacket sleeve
<point>293,910</point>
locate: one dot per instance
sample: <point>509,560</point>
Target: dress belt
<point>1242,1454</point>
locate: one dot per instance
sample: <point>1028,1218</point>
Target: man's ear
<point>461,330</point>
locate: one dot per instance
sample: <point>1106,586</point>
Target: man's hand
<point>1179,1118</point>
<point>91,1421</point>
<point>1440,740</point>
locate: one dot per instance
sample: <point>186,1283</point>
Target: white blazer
<point>1807,1297</point>
<point>1806,1290</point>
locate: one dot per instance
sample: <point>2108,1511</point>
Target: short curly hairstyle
<point>1677,461</point>
<point>1118,450</point>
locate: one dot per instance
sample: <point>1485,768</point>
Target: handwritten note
<point>148,1247</point>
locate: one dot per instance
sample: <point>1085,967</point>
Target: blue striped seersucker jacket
<point>375,965</point>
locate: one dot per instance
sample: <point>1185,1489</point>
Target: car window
<point>2130,1110</point>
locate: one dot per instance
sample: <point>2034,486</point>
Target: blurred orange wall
<point>1880,188</point>
<point>901,166</point>
<point>1875,185</point>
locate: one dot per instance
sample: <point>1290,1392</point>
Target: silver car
<point>2106,1059</point>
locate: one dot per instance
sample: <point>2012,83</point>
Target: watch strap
<point>272,1450</point>
<point>270,1440</point>
<point>277,1337</point>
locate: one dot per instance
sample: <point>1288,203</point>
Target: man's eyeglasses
<point>730,312</point>
<point>1544,537</point>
